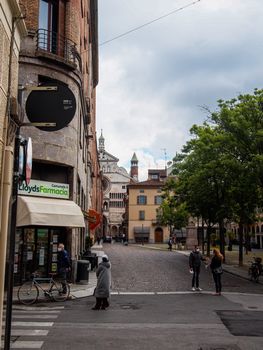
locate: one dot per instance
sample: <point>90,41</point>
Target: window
<point>141,191</point>
<point>158,200</point>
<point>141,200</point>
<point>123,187</point>
<point>141,215</point>
<point>154,176</point>
<point>48,22</point>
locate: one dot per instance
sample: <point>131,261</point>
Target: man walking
<point>195,260</point>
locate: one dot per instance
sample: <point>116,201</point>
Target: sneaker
<point>193,289</point>
<point>199,289</point>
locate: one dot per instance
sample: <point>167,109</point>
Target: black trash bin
<point>92,258</point>
<point>83,271</point>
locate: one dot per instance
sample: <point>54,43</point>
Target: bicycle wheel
<point>60,291</point>
<point>28,293</point>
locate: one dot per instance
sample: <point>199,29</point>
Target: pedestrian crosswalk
<point>31,326</point>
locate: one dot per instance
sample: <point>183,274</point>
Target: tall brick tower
<point>134,168</point>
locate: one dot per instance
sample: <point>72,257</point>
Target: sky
<point>155,82</point>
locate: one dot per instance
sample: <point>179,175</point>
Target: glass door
<point>42,246</point>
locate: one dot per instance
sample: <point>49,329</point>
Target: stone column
<point>191,236</point>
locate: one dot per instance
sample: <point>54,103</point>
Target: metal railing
<point>55,44</point>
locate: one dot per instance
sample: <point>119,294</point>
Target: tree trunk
<point>240,235</point>
<point>222,239</point>
<point>203,238</point>
<point>208,240</point>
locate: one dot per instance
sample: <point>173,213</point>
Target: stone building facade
<point>115,181</point>
<point>61,48</point>
<point>144,198</point>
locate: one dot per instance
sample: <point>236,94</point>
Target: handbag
<point>218,270</point>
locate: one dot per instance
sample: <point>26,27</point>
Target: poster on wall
<point>29,255</point>
<point>54,267</point>
<point>42,257</point>
<point>55,238</point>
<point>54,257</point>
<point>54,248</point>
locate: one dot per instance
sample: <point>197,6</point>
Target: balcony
<point>56,47</point>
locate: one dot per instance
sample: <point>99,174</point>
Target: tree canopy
<point>219,170</point>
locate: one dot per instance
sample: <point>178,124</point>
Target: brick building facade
<point>61,48</point>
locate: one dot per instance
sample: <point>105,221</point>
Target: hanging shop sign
<point>28,161</point>
<point>25,160</point>
<point>94,219</point>
<point>51,103</point>
<point>44,189</point>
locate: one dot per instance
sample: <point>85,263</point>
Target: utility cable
<point>150,22</point>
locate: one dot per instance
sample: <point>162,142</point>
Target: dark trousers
<point>63,279</point>
<point>195,279</point>
<point>217,279</point>
<point>102,303</point>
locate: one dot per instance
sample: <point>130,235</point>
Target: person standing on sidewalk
<point>63,265</point>
<point>217,270</point>
<point>102,290</point>
<point>195,260</point>
<point>170,244</point>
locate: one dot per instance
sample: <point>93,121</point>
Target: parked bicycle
<point>56,290</point>
<point>255,269</point>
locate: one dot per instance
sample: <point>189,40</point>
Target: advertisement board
<point>41,188</point>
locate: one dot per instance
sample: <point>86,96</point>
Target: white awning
<point>48,212</point>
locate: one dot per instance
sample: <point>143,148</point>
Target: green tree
<point>172,212</point>
<point>220,168</point>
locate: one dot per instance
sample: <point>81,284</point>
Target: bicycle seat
<point>52,273</point>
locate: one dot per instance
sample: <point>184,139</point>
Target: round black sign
<point>51,106</point>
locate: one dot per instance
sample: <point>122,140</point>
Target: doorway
<point>158,235</point>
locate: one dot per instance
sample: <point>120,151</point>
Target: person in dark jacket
<point>102,290</point>
<point>195,260</point>
<point>217,270</point>
<point>63,265</point>
<point>170,244</point>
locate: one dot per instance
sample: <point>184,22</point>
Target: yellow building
<point>144,198</point>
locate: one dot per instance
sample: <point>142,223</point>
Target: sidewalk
<point>77,290</point>
<point>233,268</point>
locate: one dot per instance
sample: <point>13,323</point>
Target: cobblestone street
<point>139,269</point>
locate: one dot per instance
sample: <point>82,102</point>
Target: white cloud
<point>153,81</point>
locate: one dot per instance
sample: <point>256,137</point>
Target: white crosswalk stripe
<point>30,325</point>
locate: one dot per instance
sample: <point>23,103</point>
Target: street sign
<point>51,103</point>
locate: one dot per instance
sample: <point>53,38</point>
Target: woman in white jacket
<point>102,290</point>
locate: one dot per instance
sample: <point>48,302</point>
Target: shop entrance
<point>36,250</point>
